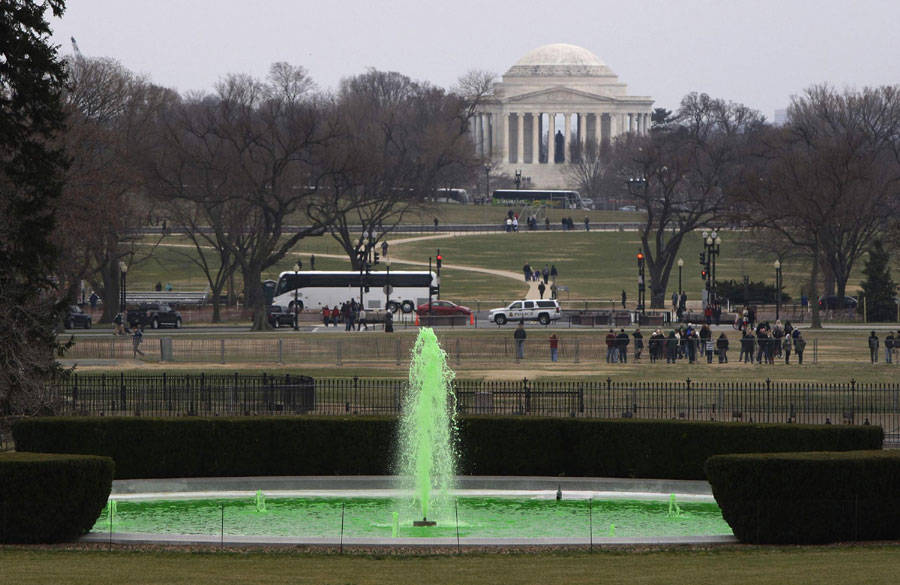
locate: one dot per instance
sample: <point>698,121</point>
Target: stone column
<point>504,132</point>
<point>535,138</point>
<point>520,138</point>
<point>551,139</point>
<point>566,134</point>
<point>489,134</point>
<point>479,135</point>
<point>613,127</point>
<point>582,130</point>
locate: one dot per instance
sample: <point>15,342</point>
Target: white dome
<point>559,59</point>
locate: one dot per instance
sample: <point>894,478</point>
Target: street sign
<point>388,289</point>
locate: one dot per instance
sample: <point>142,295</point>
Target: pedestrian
<point>799,346</point>
<point>624,297</point>
<point>554,292</point>
<point>671,348</point>
<point>683,302</point>
<point>168,287</point>
<point>508,224</point>
<point>93,299</point>
<point>587,224</point>
<point>747,347</point>
<point>622,342</point>
<point>541,288</point>
<point>547,223</point>
<point>612,353</point>
<point>722,348</point>
<point>638,343</point>
<point>553,272</point>
<point>526,270</point>
<point>674,301</point>
<point>554,348</point>
<point>786,347</point>
<point>889,347</point>
<point>158,286</point>
<point>435,224</point>
<point>545,274</point>
<point>335,314</point>
<point>519,335</point>
<point>136,340</point>
<point>312,257</point>
<point>515,224</point>
<point>326,315</point>
<point>708,313</point>
<point>361,315</point>
<point>873,347</point>
<point>706,344</point>
<point>118,327</point>
<point>717,313</point>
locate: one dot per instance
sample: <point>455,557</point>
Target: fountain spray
<point>427,443</point>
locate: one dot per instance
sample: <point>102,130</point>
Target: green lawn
<point>873,564</point>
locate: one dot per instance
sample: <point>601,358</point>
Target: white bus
<point>316,289</point>
<point>552,198</point>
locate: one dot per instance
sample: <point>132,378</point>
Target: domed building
<point>561,91</point>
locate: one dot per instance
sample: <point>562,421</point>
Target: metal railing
<point>165,394</point>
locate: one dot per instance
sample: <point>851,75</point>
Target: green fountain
<point>427,434</point>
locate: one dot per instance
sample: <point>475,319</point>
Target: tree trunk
<point>813,288</point>
<point>110,275</point>
<point>216,292</point>
<point>254,299</point>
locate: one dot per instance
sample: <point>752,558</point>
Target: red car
<point>443,308</point>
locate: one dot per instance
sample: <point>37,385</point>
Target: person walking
<point>326,315</point>
<point>553,272</point>
<point>722,348</point>
<point>545,274</point>
<point>312,257</point>
<point>638,343</point>
<point>674,301</point>
<point>622,342</point>
<point>624,298</point>
<point>119,324</point>
<point>799,345</point>
<point>611,352</point>
<point>587,224</point>
<point>541,288</point>
<point>335,314</point>
<point>527,271</point>
<point>671,348</point>
<point>158,286</point>
<point>786,347</point>
<point>519,335</point>
<point>136,340</point>
<point>747,346</point>
<point>873,347</point>
<point>508,224</point>
<point>547,223</point>
<point>889,347</point>
<point>554,348</point>
<point>93,300</point>
<point>554,292</point>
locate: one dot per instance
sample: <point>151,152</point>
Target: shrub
<point>48,498</point>
<point>806,498</point>
<point>213,447</point>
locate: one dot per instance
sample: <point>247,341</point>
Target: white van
<point>541,310</point>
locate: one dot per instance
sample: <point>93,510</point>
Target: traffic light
<point>369,268</point>
<point>439,258</point>
<point>640,259</point>
<point>703,274</point>
<point>702,257</point>
<point>376,258</point>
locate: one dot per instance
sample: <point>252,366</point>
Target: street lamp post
<point>123,269</point>
<point>296,293</point>
<point>712,242</point>
<point>518,179</point>
<point>777,289</point>
<point>487,182</point>
<point>387,288</point>
<point>680,266</point>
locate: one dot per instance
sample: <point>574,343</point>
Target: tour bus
<point>452,196</point>
<point>318,288</point>
<point>553,198</point>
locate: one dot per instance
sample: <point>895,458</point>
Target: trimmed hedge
<point>222,447</point>
<point>47,498</point>
<point>809,498</point>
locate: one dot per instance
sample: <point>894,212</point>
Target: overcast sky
<point>758,52</point>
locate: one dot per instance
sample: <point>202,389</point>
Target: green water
<point>427,457</point>
<point>374,517</point>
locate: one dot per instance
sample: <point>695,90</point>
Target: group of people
<point>350,313</point>
<point>543,276</point>
<point>891,346</point>
<point>771,343</point>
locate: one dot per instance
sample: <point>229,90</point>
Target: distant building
<point>553,96</point>
<point>780,118</point>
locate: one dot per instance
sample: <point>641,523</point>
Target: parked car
<point>831,302</point>
<point>75,317</point>
<point>279,315</point>
<point>628,208</point>
<point>443,308</point>
<point>539,310</point>
<point>154,315</point>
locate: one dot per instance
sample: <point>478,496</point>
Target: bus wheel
<point>407,306</point>
<point>392,307</point>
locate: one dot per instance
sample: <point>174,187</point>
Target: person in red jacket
<point>326,315</point>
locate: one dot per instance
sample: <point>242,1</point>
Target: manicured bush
<point>246,446</point>
<point>48,498</point>
<point>808,498</point>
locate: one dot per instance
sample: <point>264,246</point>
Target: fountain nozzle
<point>424,522</point>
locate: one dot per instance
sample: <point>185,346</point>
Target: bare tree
<point>682,175</point>
<point>588,168</point>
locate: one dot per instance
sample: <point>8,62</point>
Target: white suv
<point>543,311</point>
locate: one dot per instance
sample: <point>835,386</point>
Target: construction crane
<point>76,49</point>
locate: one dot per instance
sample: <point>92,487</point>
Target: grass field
<point>871,564</point>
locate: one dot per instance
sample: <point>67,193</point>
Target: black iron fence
<point>263,394</point>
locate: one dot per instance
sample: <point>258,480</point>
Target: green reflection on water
<point>374,517</point>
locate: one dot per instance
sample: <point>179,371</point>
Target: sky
<point>758,52</point>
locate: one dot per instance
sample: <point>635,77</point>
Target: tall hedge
<point>47,498</point>
<point>213,447</point>
<point>809,498</point>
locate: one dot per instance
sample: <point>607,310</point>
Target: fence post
<point>280,350</point>
<point>577,351</point>
<point>816,350</point>
<point>75,395</point>
<point>527,395</point>
<point>398,351</point>
<point>222,351</point>
<point>162,349</point>
<point>339,349</point>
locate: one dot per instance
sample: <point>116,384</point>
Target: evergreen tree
<point>878,287</point>
<point>31,80</point>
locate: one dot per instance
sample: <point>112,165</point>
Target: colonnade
<point>504,135</point>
